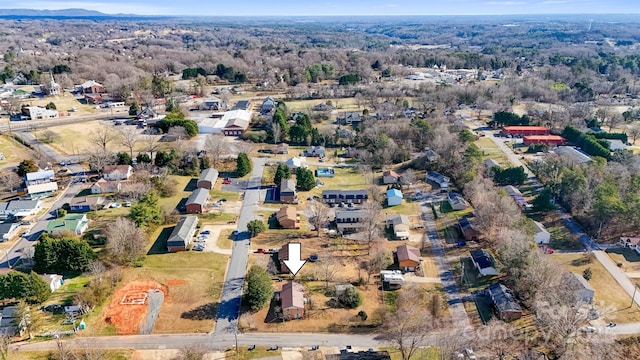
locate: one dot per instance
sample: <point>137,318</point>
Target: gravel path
<point>155,299</point>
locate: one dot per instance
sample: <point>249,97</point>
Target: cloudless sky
<point>336,7</point>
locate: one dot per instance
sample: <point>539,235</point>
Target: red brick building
<point>525,130</point>
<point>544,139</point>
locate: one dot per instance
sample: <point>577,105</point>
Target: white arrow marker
<point>294,263</point>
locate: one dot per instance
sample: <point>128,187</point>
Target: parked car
<point>261,251</point>
<point>206,232</point>
<point>273,251</point>
<point>470,354</point>
<point>226,181</point>
<point>127,204</point>
<point>199,247</point>
<point>116,205</point>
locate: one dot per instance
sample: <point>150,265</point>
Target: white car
<point>199,247</point>
<point>201,239</point>
<point>116,205</point>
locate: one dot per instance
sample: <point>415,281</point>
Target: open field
<point>13,152</point>
<point>341,104</point>
<point>65,103</point>
<point>92,354</point>
<point>344,179</point>
<point>491,151</point>
<point>193,281</point>
<point>75,139</point>
<point>611,300</point>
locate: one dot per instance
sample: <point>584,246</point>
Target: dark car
<point>313,257</point>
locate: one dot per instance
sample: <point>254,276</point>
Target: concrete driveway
<point>212,239</point>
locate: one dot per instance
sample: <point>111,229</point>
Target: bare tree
<point>379,260</point>
<point>370,218</point>
<point>318,215</point>
<point>178,132</point>
<point>130,138</point>
<point>98,159</point>
<point>125,241</point>
<point>499,338</point>
<point>152,142</point>
<point>5,340</point>
<point>327,268</point>
<point>102,137</point>
<point>408,326</point>
<point>216,147</point>
<point>277,132</point>
<point>409,177</point>
<point>194,352</point>
<point>10,180</point>
<point>634,131</point>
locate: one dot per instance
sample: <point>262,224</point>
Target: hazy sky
<point>336,7</point>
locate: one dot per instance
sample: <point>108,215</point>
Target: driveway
<point>454,298</point>
<point>230,300</point>
<point>620,277</point>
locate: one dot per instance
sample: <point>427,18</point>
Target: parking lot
<point>210,240</point>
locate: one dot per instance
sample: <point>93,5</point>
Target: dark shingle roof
<point>503,298</point>
<point>482,258</point>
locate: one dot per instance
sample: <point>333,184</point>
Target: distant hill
<point>54,13</point>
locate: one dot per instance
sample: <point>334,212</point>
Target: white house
<point>632,242</point>
<point>8,230</point>
<point>294,163</point>
<point>38,112</point>
<point>20,208</point>
<point>394,197</point>
<point>103,186</point>
<point>43,190</point>
<point>40,176</point>
<point>117,172</point>
<point>400,225</point>
<point>483,261</point>
<point>542,236</point>
<point>441,180</point>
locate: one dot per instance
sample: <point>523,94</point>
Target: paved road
<point>215,342</point>
<point>458,313</point>
<point>620,277</point>
<point>231,298</point>
<point>46,150</point>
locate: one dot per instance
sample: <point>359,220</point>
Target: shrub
<point>363,315</point>
<point>259,288</point>
<point>587,274</point>
<point>350,298</point>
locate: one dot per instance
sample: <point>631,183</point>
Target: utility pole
<point>634,295</point>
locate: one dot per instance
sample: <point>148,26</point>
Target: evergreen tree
<point>259,288</point>
<point>147,211</point>
<point>304,179</point>
<point>282,172</point>
<point>243,165</point>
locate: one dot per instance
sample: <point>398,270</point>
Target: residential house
<point>288,193</point>
<point>116,172</point>
<point>208,179</point>
<point>242,105</point>
<point>21,208</point>
<point>39,177</point>
<point>350,118</point>
<point>349,221</point>
<point>483,261</point>
<point>345,196</point>
<point>583,292</point>
<point>490,164</point>
<point>53,280</point>
<point>542,236</point>
<point>39,191</point>
<point>352,153</point>
<point>571,155</point>
<point>512,190</point>
<point>94,99</point>
<point>390,177</point>
<point>441,180</point>
<point>632,242</point>
<point>212,103</point>
<point>182,233</point>
<point>91,87</point>
<point>146,114</point>
<point>359,355</point>
<point>322,107</point>
<point>287,217</point>
<point>292,301</point>
<point>86,203</point>
<point>283,254</point>
<point>8,230</point>
<point>394,197</point>
<point>456,201</point>
<point>281,149</point>
<point>408,258</point>
<point>268,105</point>
<point>400,225</point>
<point>197,201</point>
<point>431,155</point>
<point>236,122</point>
<point>103,186</point>
<point>294,163</point>
<point>516,195</point>
<point>75,223</point>
<point>504,302</point>
<point>468,230</point>
<point>315,151</point>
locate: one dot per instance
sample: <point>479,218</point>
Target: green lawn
<point>428,353</point>
<point>169,203</point>
<point>245,354</point>
<point>490,150</point>
<point>344,179</point>
<point>229,195</point>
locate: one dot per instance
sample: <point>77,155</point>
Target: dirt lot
<point>193,281</point>
<point>321,315</point>
<point>129,304</point>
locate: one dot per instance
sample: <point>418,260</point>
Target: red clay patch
<point>174,282</point>
<point>126,309</point>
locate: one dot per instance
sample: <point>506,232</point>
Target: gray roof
<point>350,214</point>
<point>40,175</point>
<point>5,228</point>
<point>3,206</point>
<point>198,196</point>
<point>502,298</point>
<point>209,174</point>
<point>180,234</point>
<point>577,281</point>
<point>287,185</point>
<point>344,193</point>
<point>398,219</point>
<point>22,204</point>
